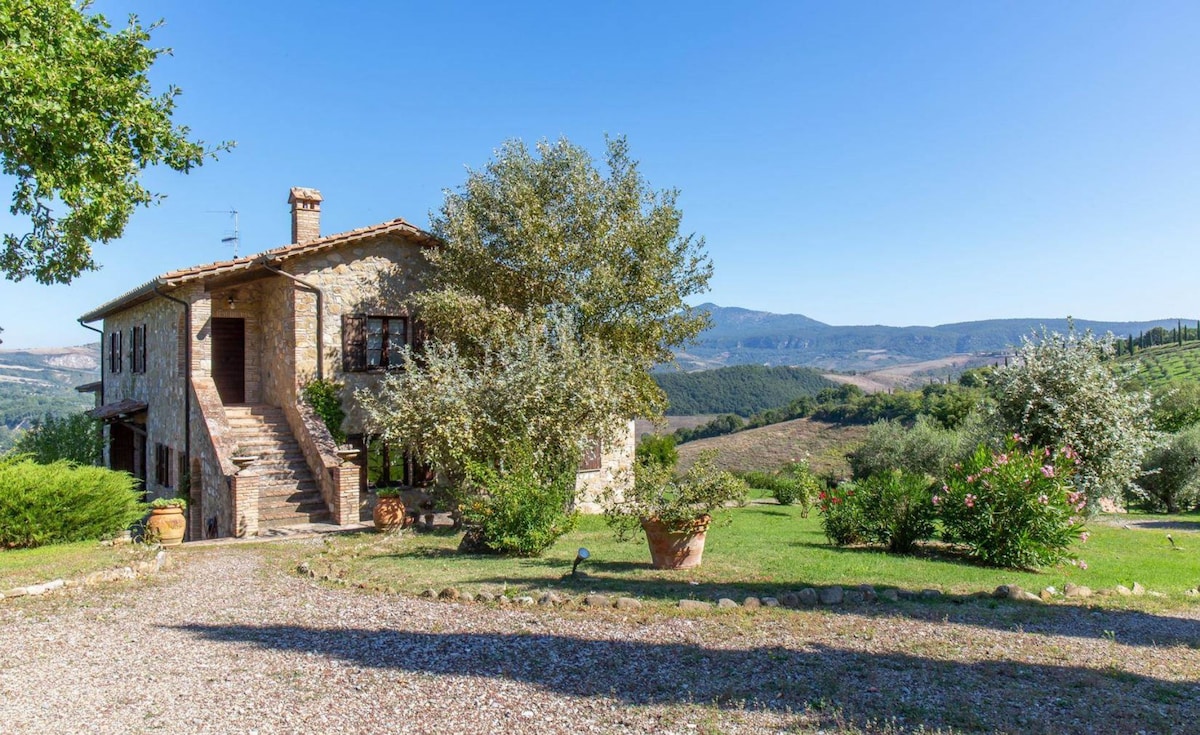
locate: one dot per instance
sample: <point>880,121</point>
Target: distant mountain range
<point>742,336</point>
<point>35,382</point>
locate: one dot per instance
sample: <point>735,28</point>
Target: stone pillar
<point>244,489</point>
<point>346,484</point>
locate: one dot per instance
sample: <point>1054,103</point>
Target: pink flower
<point>936,499</point>
<point>1046,452</point>
<point>1048,470</point>
<point>1082,564</point>
<point>970,478</point>
<point>945,488</point>
<point>1043,499</point>
<point>1001,459</point>
<point>969,501</point>
<point>1018,438</point>
<point>1083,537</point>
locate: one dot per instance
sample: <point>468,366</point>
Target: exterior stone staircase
<point>288,494</point>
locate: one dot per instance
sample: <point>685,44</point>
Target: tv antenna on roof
<point>235,238</point>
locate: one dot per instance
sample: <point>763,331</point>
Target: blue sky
<point>860,163</point>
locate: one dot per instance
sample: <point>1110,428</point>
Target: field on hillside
<point>767,447</point>
<point>1160,365</point>
<point>915,374</point>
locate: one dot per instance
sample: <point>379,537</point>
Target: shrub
<point>800,485</point>
<point>514,511</point>
<point>76,438</point>
<point>1176,406</point>
<point>892,509</point>
<point>841,515</point>
<point>325,397</point>
<point>1014,507</point>
<point>62,502</point>
<point>926,448</point>
<point>658,448</point>
<point>1171,479</point>
<point>1060,390</point>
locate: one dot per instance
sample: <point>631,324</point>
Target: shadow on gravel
<point>836,686</point>
<point>1128,627</point>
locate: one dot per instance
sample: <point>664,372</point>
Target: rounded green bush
<point>62,502</point>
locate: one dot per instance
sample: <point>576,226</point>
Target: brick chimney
<point>306,214</point>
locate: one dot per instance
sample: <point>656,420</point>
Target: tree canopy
<point>549,231</point>
<point>556,288</point>
<point>80,123</point>
<point>1061,390</point>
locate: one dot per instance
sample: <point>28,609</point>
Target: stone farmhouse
<point>202,370</point>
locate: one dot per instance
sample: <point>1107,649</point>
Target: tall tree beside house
<point>556,289</point>
<point>79,124</point>
<point>536,232</point>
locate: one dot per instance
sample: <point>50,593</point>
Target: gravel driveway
<point>226,643</point>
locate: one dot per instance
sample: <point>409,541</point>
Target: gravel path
<point>226,643</point>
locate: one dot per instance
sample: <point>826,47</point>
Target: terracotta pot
<point>388,514</point>
<point>676,547</point>
<point>167,525</point>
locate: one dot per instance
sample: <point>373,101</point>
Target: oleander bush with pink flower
<point>1013,507</point>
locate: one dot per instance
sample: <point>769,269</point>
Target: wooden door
<point>229,358</point>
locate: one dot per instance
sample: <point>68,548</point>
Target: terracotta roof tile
<point>200,272</point>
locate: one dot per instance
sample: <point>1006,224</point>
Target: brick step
<point>274,509</point>
<point>276,447</point>
<point>283,477</point>
<point>279,489</point>
<point>254,422</point>
<point>295,519</point>
<point>253,410</point>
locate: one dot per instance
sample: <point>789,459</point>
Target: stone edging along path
<point>805,597</point>
<point>141,569</point>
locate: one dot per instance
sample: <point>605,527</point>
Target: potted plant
<point>167,523</point>
<point>675,510</point>
<point>389,509</point>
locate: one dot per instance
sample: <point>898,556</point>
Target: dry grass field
<point>767,447</point>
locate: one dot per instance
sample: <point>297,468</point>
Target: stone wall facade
<point>609,483</point>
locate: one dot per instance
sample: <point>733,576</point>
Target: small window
<point>373,342</point>
<point>162,465</point>
<point>592,456</point>
<point>137,349</point>
<point>116,344</point>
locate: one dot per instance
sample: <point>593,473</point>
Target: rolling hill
<point>743,336</point>
<point>35,382</point>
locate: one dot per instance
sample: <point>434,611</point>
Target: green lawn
<point>20,567</point>
<point>767,550</point>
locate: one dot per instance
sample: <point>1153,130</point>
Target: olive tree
<point>1063,390</point>
<point>556,286</point>
<point>79,125</point>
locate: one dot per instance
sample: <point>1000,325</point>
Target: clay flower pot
<point>676,547</point>
<point>388,514</point>
<point>167,525</point>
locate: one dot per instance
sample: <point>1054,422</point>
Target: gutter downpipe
<point>101,333</point>
<point>187,373</point>
<point>320,313</point>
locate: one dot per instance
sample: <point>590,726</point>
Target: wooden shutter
<point>420,335</point>
<point>142,347</point>
<point>354,342</point>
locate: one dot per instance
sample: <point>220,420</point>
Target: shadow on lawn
<point>1128,627</point>
<point>822,678</point>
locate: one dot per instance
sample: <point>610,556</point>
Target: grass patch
<point>767,550</point>
<point>20,567</point>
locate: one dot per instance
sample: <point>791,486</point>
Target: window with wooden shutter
<point>373,342</point>
<point>354,343</point>
<point>592,456</point>
<point>116,347</point>
<point>137,349</point>
<point>162,465</point>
